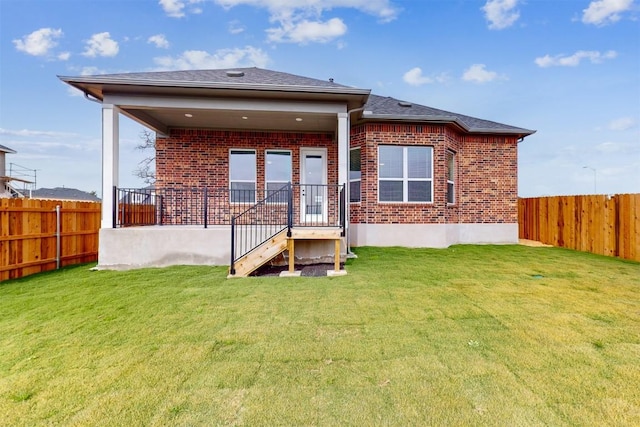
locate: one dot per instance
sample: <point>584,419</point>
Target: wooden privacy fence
<point>605,225</point>
<point>41,235</point>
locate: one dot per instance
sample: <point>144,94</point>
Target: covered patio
<point>191,221</point>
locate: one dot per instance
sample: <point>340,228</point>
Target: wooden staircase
<point>279,243</point>
<point>261,255</point>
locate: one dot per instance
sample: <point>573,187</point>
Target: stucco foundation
<point>432,235</point>
<point>160,246</point>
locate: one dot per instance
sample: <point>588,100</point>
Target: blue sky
<point>569,69</point>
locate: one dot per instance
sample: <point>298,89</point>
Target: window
<point>277,172</point>
<point>451,177</point>
<point>354,175</point>
<point>405,173</point>
<point>242,176</point>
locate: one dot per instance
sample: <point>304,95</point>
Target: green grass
<point>470,335</point>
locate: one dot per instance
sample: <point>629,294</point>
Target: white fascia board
<point>192,103</point>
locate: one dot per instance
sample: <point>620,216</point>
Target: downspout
<point>347,185</point>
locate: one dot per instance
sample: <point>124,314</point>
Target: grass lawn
<point>469,335</point>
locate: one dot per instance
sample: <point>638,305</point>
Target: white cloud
<point>304,31</point>
<point>159,40</point>
<point>573,60</point>
<point>176,8</point>
<point>101,44</point>
<point>501,14</point>
<point>602,12</point>
<point>64,56</point>
<point>414,77</point>
<point>623,123</point>
<point>279,9</point>
<point>40,42</point>
<point>300,21</point>
<point>38,133</point>
<point>235,27</point>
<point>224,58</point>
<point>478,73</point>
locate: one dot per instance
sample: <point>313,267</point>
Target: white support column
<point>110,159</point>
<point>343,165</point>
<point>343,148</point>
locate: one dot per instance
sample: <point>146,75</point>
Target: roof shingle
<point>380,106</point>
<point>252,75</point>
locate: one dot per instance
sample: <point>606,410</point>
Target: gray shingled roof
<point>386,107</point>
<point>377,107</point>
<point>6,149</point>
<point>251,76</point>
<point>63,193</point>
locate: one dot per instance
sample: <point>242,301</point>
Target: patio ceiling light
<point>188,115</point>
<point>244,117</point>
<point>298,119</point>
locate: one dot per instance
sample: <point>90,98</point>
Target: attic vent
<point>235,73</point>
<point>404,104</point>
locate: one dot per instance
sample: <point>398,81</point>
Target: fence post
<point>342,208</point>
<point>289,208</point>
<point>206,207</point>
<point>115,206</point>
<point>232,269</point>
<point>58,237</point>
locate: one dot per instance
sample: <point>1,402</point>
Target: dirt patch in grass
<point>534,243</point>
<point>311,270</point>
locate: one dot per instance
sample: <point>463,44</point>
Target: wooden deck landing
<point>280,242</point>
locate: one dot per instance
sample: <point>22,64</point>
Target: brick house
<point>253,161</point>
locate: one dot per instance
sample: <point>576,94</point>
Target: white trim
<point>355,180</point>
<point>314,151</point>
<point>266,181</point>
<point>455,175</point>
<point>255,170</point>
<point>202,103</point>
<point>405,175</point>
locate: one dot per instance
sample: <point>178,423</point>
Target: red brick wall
<point>200,157</point>
<point>486,176</point>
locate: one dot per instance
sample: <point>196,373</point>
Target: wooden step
<point>261,255</point>
<point>320,233</point>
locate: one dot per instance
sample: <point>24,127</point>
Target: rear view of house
<point>250,160</point>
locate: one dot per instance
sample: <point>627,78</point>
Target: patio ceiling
<point>165,105</point>
<point>162,119</point>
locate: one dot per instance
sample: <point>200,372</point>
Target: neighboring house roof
<point>387,108</point>
<point>5,149</point>
<point>62,193</point>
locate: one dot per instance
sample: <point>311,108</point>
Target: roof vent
<point>235,73</point>
<point>331,80</point>
<point>404,104</point>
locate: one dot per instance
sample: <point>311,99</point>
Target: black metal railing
<point>311,205</point>
<point>254,216</point>
<point>319,206</point>
<point>260,222</point>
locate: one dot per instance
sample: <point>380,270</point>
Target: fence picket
<point>28,235</point>
<point>605,225</point>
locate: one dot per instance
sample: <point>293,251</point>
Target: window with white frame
<point>405,174</point>
<point>242,176</point>
<point>451,177</point>
<point>277,173</point>
<point>355,174</point>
